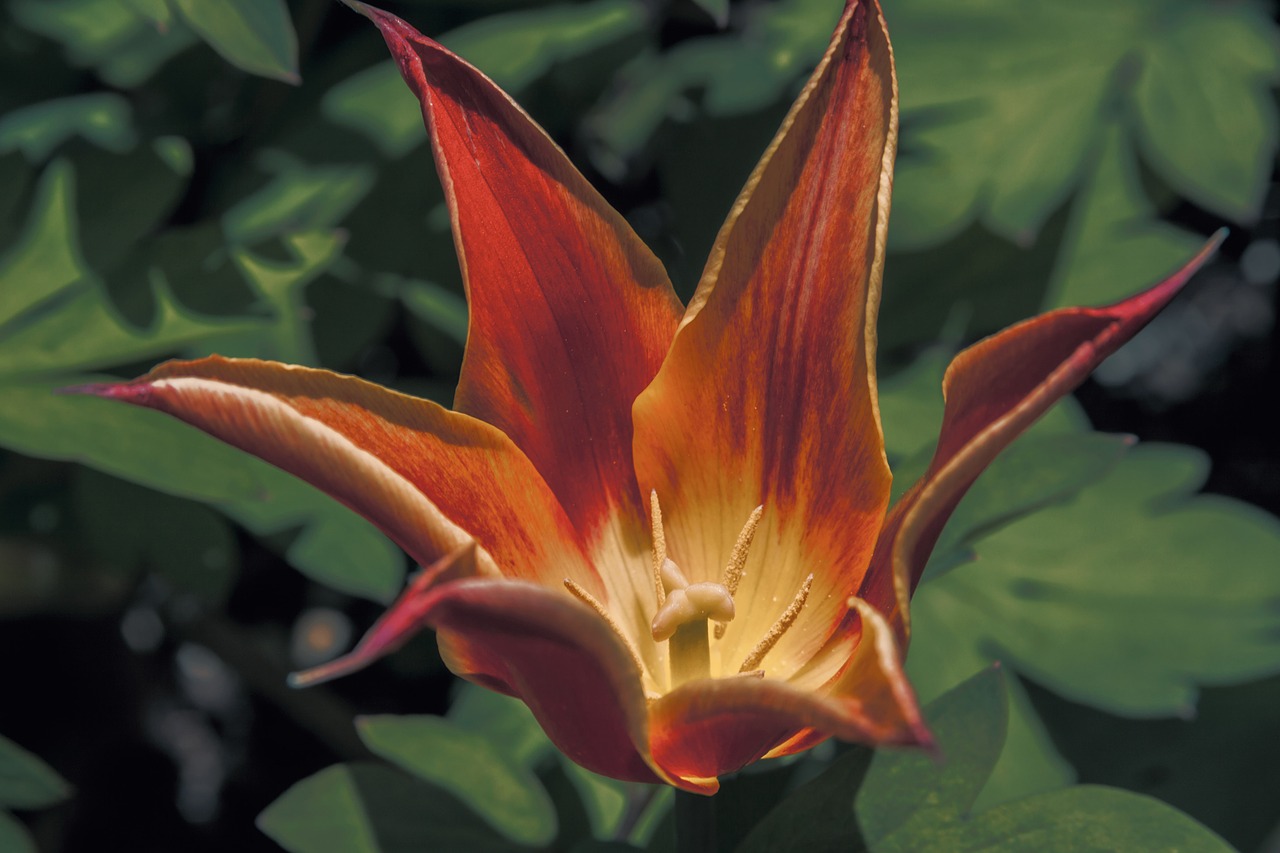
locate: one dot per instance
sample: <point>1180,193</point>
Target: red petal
<point>768,395</point>
<point>708,728</point>
<point>431,479</point>
<point>571,314</point>
<point>995,390</point>
<point>560,659</point>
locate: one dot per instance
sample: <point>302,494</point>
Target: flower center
<point>685,609</point>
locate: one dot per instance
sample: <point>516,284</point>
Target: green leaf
<point>1204,103</point>
<point>14,837</point>
<point>507,724</point>
<point>906,801</point>
<point>104,118</point>
<point>281,285</point>
<point>122,44</point>
<point>1116,243</point>
<point>366,808</point>
<point>514,49</point>
<point>256,35</point>
<point>56,323</point>
<point>1131,595</point>
<point>1004,103</point>
<point>496,787</point>
<point>26,782</point>
<point>298,198</point>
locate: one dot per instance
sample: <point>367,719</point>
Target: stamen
<point>590,600</point>
<point>779,628</point>
<point>659,545</point>
<point>738,559</point>
<point>738,556</point>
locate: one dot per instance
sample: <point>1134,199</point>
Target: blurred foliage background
<point>249,177</point>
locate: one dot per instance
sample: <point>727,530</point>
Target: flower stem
<point>690,652</point>
<point>695,823</point>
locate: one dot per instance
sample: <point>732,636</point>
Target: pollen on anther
<point>659,546</point>
<point>590,600</point>
<point>738,559</point>
<point>785,621</point>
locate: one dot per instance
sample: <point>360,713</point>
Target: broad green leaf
<point>1034,472</point>
<point>56,323</point>
<point>906,801</point>
<point>1204,103</point>
<point>506,794</point>
<point>367,808</point>
<point>26,782</point>
<point>1115,244</point>
<point>256,35</point>
<point>1005,101</point>
<point>104,119</point>
<point>47,257</point>
<point>122,44</point>
<point>514,49</point>
<point>1132,594</point>
<point>507,724</point>
<point>298,198</point>
<point>14,837</point>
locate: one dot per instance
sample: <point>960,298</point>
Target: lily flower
<point>664,528</point>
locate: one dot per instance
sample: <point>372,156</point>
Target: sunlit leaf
<point>26,782</point>
<point>366,808</point>
<point>506,794</point>
<point>103,118</point>
<point>1005,134</point>
<point>256,35</point>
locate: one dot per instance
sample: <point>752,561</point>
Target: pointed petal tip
<point>129,392</point>
<point>336,668</point>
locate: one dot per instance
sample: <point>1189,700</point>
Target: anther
<point>659,545</point>
<point>590,600</point>
<point>785,621</point>
<point>738,559</point>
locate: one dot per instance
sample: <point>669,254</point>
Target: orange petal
<point>560,659</point>
<point>431,479</point>
<point>994,390</point>
<point>571,314</point>
<point>768,395</point>
<point>705,729</point>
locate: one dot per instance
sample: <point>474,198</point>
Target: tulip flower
<point>664,528</point>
